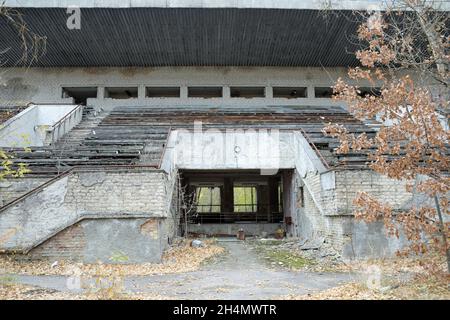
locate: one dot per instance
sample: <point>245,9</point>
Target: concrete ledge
<point>249,4</point>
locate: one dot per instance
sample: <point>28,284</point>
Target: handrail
<point>67,115</point>
<point>38,188</point>
<point>67,172</point>
<point>56,126</point>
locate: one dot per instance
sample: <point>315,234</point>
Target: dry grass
<point>108,278</point>
<point>423,278</point>
<point>177,259</point>
<point>24,292</point>
<point>422,288</point>
<point>423,265</point>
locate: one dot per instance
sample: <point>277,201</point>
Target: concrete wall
<point>45,85</point>
<point>94,240</point>
<point>20,86</point>
<point>338,199</point>
<point>117,197</point>
<point>33,126</point>
<point>268,150</point>
<point>328,213</point>
<point>11,189</point>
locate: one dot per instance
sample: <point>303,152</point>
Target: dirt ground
<point>228,269</point>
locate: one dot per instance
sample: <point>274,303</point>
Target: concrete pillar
<point>273,194</point>
<point>183,92</point>
<point>289,201</point>
<point>310,92</point>
<point>101,93</point>
<point>226,92</point>
<point>227,204</point>
<point>269,92</point>
<point>141,92</point>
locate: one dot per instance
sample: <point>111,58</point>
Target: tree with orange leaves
<point>412,142</point>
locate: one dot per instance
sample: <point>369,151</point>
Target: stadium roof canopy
<point>150,33</point>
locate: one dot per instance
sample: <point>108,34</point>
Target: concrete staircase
<point>99,139</point>
<point>75,137</point>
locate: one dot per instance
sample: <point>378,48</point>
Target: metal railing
<point>65,124</point>
<point>73,170</point>
<point>235,217</point>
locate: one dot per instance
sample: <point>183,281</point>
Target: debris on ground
<point>314,244</point>
<point>27,292</point>
<point>419,288</point>
<point>316,255</point>
<point>197,243</point>
<point>180,257</point>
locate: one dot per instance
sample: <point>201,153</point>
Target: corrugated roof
<point>188,37</point>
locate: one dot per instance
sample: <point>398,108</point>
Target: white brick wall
<point>105,194</point>
<point>329,213</point>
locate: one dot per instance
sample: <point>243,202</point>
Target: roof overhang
<point>154,33</point>
<point>150,37</point>
<point>243,4</point>
<point>247,4</point>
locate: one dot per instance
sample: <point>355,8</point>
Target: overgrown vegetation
<point>412,142</point>
<point>269,250</point>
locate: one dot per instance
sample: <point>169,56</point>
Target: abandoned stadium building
<point>149,122</point>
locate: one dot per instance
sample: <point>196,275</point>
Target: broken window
<point>289,92</point>
<point>208,199</point>
<point>121,93</point>
<point>205,92</point>
<point>247,92</point>
<point>323,92</point>
<point>245,199</point>
<point>163,92</point>
<point>79,94</point>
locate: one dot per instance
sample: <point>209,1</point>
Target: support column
<point>141,92</point>
<point>272,196</point>
<point>183,92</point>
<point>227,203</point>
<point>289,201</point>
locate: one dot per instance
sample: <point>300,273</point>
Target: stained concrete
<point>106,238</point>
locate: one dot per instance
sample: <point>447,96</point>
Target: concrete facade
<point>45,85</point>
<point>328,195</point>
<point>90,214</point>
<point>119,199</point>
<point>116,211</point>
<point>39,125</point>
<point>101,240</point>
<point>328,214</point>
